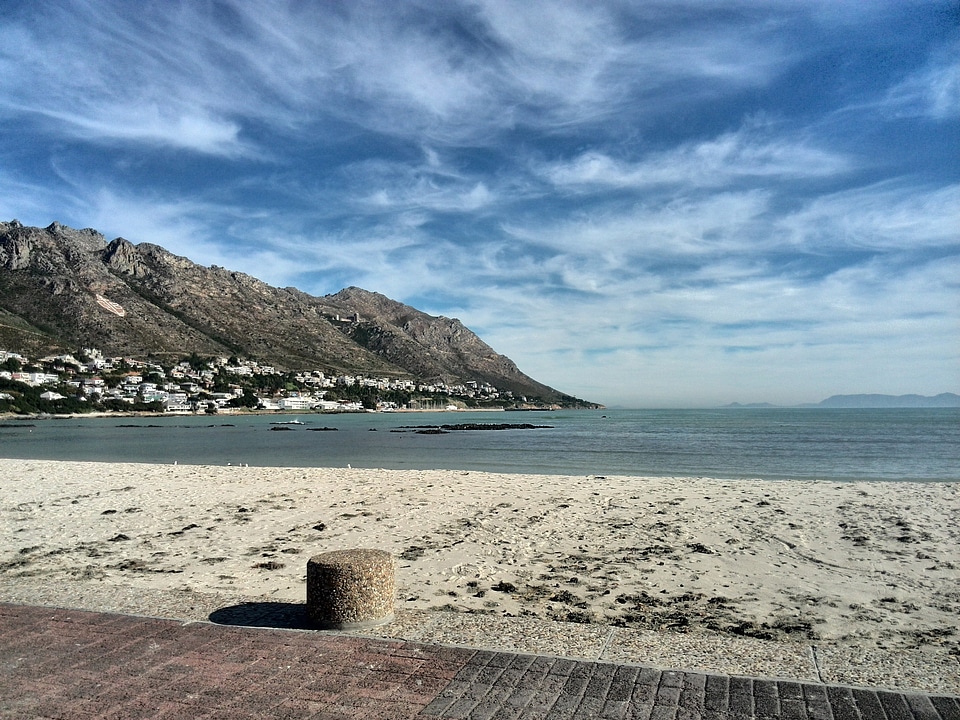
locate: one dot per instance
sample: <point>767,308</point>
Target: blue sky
<point>665,203</point>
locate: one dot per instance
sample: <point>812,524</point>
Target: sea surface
<point>773,444</point>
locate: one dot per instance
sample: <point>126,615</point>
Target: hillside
<point>871,400</point>
<point>874,400</point>
<point>62,289</point>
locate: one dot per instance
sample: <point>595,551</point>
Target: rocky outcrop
<point>123,258</point>
<point>15,248</point>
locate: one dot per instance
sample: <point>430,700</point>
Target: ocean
<point>772,444</point>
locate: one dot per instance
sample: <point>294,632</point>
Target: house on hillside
<point>296,402</point>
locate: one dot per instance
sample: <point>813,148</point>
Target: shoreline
<point>5,417</point>
<point>809,561</point>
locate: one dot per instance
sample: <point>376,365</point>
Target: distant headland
<point>870,400</point>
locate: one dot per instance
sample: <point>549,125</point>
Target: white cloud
<point>675,228</point>
<point>933,91</point>
<point>148,124</point>
<point>456,73</point>
<point>578,55</point>
<point>888,215</point>
<point>874,328</point>
<point>426,194</point>
<point>711,163</point>
<point>102,81</point>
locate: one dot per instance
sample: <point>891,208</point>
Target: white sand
<point>825,561</point>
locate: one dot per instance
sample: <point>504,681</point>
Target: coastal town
<point>88,381</point>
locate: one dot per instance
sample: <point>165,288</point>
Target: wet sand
<point>875,563</point>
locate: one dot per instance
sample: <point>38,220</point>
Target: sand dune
<point>876,562</point>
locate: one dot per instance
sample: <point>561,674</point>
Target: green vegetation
<point>27,401</point>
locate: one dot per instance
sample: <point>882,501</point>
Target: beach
<point>875,563</point>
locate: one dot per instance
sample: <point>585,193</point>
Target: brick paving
<point>76,664</point>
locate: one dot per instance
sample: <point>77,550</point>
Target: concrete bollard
<point>351,589</point>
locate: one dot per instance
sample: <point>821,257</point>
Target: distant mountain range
<point>62,289</point>
<point>874,400</point>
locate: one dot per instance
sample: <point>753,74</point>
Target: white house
<point>177,402</point>
<point>296,402</point>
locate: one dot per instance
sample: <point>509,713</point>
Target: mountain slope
<point>891,401</point>
<point>61,289</point>
<point>428,346</point>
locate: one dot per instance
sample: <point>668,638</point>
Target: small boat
<point>287,422</point>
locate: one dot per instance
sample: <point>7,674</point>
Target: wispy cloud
<point>193,76</point>
<point>888,216</point>
<point>122,79</point>
<point>744,154</point>
<point>933,91</point>
<point>139,123</point>
<point>674,228</point>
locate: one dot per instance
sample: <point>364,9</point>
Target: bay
<point>767,443</point>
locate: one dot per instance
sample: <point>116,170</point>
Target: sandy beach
<point>875,563</point>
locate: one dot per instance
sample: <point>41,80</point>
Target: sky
<point>666,203</point>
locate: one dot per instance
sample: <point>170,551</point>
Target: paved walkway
<point>76,664</point>
<point>933,668</point>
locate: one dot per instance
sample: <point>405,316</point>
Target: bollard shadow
<point>286,616</point>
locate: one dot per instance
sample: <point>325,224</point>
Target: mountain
<point>62,289</point>
<point>949,400</point>
<point>890,401</point>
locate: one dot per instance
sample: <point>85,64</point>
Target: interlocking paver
<point>575,685</point>
<point>894,707</point>
<point>716,692</point>
<point>564,707</point>
<point>563,666</point>
<point>621,686</point>
<point>789,690</point>
<point>791,709</point>
<point>948,708</point>
<point>868,704</point>
<point>589,707</point>
<point>921,707</point>
<point>600,681</point>
<point>740,702</point>
<point>817,701</point>
<point>663,712</point>
<point>542,663</point>
<point>542,701</point>
<point>667,695</point>
<point>489,675</point>
<point>766,706</point>
<point>69,664</point>
<point>692,694</point>
<point>645,691</point>
<point>501,660</point>
<point>843,703</point>
<point>615,710</point>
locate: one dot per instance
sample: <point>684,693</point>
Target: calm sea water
<point>901,444</point>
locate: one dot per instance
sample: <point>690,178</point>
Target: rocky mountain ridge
<point>62,288</point>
